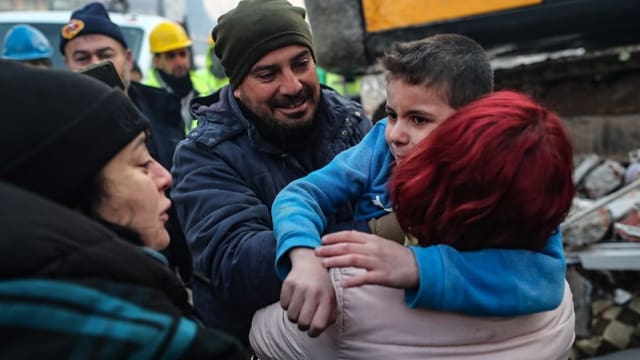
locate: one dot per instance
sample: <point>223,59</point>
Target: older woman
<point>81,144</point>
<point>83,208</point>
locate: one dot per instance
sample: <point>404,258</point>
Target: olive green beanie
<point>253,29</point>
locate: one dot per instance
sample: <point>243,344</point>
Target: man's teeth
<point>290,106</point>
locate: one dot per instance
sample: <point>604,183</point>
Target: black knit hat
<point>254,28</point>
<point>91,19</point>
<point>59,129</point>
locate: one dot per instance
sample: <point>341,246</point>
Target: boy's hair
<point>497,173</point>
<point>454,65</point>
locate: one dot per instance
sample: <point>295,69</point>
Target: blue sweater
<point>489,282</point>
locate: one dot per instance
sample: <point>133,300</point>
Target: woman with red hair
<point>496,174</point>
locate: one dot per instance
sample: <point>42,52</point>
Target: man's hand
<point>387,263</point>
<point>307,293</point>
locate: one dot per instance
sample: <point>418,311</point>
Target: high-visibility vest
<point>322,75</point>
<point>339,82</point>
<point>205,82</point>
<point>153,80</point>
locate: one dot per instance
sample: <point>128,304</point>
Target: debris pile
<point>602,245</point>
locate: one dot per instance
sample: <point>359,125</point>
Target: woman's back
<point>374,323</point>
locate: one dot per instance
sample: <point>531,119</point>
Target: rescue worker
<point>26,44</point>
<point>90,37</point>
<point>170,45</point>
<point>212,76</point>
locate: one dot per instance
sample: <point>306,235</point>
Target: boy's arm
<point>307,292</point>
<point>490,282</point>
<point>299,215</point>
<point>301,209</point>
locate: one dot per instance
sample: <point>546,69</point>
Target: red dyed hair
<point>497,173</point>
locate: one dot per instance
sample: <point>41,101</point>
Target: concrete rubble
<point>601,237</point>
<point>606,207</point>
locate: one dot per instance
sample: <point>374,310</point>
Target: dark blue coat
<point>162,108</point>
<point>225,179</point>
<point>163,112</point>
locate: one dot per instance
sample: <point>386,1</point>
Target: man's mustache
<point>289,100</point>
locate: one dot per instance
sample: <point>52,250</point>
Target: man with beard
<point>171,70</point>
<point>90,37</point>
<point>271,125</point>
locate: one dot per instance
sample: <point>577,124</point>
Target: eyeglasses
<point>172,54</point>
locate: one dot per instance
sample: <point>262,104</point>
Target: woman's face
<point>133,194</point>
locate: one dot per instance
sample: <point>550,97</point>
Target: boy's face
<point>413,112</point>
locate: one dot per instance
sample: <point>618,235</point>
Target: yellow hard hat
<point>168,36</point>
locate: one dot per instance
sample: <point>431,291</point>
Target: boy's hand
<point>387,263</point>
<point>307,293</point>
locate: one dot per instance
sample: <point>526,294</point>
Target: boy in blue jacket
<point>427,80</point>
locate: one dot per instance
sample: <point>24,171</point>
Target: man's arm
<point>227,226</point>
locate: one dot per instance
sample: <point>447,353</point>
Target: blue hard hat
<point>24,42</point>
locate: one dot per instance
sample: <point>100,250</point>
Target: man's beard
<point>293,121</point>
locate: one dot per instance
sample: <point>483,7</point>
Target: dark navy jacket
<point>225,179</point>
<point>167,127</point>
<point>167,130</point>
